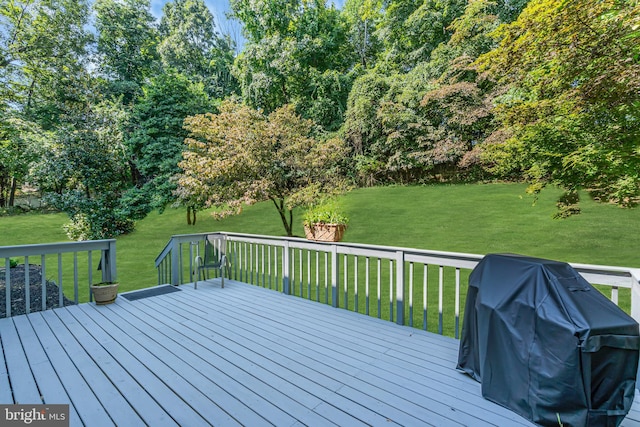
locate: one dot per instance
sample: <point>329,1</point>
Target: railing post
<point>286,288</point>
<point>635,310</point>
<point>175,262</point>
<point>109,273</point>
<point>635,297</point>
<point>400,287</point>
<point>334,276</point>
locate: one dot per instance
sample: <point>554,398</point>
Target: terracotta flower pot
<point>325,232</point>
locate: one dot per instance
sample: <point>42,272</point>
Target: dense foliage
<point>570,106</point>
<point>94,97</point>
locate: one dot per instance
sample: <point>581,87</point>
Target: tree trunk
<point>3,182</point>
<point>190,220</point>
<point>12,193</point>
<point>288,225</point>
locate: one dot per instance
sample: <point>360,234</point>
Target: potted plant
<point>325,222</point>
<point>104,292</point>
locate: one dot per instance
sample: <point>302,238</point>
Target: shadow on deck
<point>241,355</point>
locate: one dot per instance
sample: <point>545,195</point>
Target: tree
<point>297,53</point>
<point>90,155</point>
<point>411,30</point>
<point>42,45</point>
<point>570,104</point>
<point>156,140</point>
<point>240,156</point>
<point>127,46</point>
<point>42,48</point>
<point>191,44</point>
<point>20,146</point>
<point>363,17</point>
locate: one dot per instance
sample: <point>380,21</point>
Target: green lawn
<point>477,218</point>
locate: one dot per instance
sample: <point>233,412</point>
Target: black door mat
<point>151,292</point>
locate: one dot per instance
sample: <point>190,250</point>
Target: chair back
<point>214,250</point>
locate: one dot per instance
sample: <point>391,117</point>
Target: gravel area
<point>18,304</point>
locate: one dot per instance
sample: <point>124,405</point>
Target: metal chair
<point>214,259</point>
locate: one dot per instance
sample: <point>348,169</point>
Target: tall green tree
<point>192,45</point>
<point>411,30</point>
<point>127,46</point>
<point>362,18</point>
<point>43,47</point>
<point>296,53</point>
<point>569,115</point>
<point>156,139</point>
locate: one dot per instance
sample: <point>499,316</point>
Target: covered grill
<point>548,345</point>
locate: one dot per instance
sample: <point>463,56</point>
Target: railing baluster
<point>355,283</point>
<point>400,288</point>
<point>90,274</point>
<point>379,289</point>
<point>410,294</point>
<point>264,283</point>
<point>366,286</point>
<point>334,275</point>
<point>277,282</point>
<point>257,263</point>
<point>346,282</point>
<point>27,286</point>
<point>440,298</point>
<point>75,277</point>
<point>317,256</point>
<point>269,264</point>
<point>457,326</point>
<point>7,283</point>
<point>251,266</point>
<point>60,297</point>
<point>293,271</point>
<point>301,271</point>
<point>614,295</point>
<point>425,297</point>
<point>43,282</point>
<point>390,290</point>
<point>326,277</point>
<point>243,262</point>
<point>308,274</point>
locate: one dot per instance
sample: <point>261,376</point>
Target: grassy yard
<point>478,218</point>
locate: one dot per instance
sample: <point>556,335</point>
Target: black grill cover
<point>546,344</point>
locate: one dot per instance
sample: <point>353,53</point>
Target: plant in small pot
<point>104,292</point>
<point>325,222</point>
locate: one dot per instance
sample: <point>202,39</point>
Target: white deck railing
<point>414,287</point>
<point>64,262</point>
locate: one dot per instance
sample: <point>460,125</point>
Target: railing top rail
<point>456,259</point>
<point>54,248</point>
<point>165,251</point>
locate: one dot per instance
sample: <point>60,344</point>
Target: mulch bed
<point>18,302</point>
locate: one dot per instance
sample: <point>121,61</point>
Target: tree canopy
<point>240,156</point>
<point>569,74</point>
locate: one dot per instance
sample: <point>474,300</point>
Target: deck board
<point>241,355</point>
<point>45,375</point>
<point>25,389</point>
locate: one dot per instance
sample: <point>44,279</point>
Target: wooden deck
<point>241,355</point>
